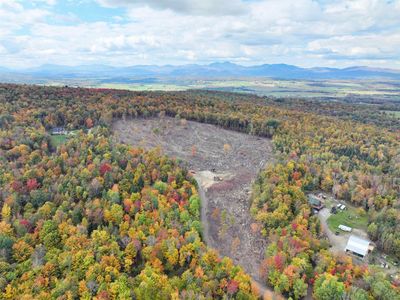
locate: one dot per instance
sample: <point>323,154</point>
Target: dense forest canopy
<point>382,114</point>
<point>93,218</point>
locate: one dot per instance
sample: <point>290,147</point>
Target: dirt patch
<point>225,164</point>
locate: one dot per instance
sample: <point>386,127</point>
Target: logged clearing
<point>225,164</point>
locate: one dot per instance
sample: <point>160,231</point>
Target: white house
<point>59,131</point>
<point>358,246</point>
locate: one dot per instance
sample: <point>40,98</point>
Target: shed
<point>358,246</point>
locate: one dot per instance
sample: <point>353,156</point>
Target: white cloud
<point>13,16</point>
<point>375,46</point>
<point>203,7</point>
<point>3,50</point>
<point>302,32</point>
<point>48,2</point>
<point>10,4</point>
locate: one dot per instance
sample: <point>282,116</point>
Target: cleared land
<point>57,140</point>
<point>350,217</point>
<point>225,164</point>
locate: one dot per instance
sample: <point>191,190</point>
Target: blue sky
<point>307,33</point>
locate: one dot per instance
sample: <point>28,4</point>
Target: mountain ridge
<point>212,70</point>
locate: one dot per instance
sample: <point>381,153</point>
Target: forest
<point>380,113</point>
<point>94,219</point>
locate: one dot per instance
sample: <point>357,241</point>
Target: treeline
<point>356,162</point>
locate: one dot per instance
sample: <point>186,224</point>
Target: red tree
<point>104,168</point>
<point>32,184</point>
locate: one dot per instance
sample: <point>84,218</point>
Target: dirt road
<point>338,242</point>
<point>203,213</point>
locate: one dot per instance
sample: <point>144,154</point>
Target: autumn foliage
<point>96,219</point>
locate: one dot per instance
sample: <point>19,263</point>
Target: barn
<point>358,246</point>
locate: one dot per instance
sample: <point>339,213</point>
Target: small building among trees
<point>59,131</point>
<point>358,246</point>
<point>315,202</point>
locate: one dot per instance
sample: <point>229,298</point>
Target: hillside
<point>94,218</point>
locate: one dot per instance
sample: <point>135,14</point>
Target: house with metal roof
<point>358,246</point>
<point>315,202</point>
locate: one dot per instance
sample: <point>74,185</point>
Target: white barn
<point>358,246</point>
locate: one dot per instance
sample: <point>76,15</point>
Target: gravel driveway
<point>338,242</point>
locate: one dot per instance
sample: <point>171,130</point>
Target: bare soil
<point>224,163</point>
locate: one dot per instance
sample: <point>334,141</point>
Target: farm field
<point>335,90</point>
<point>393,113</point>
<point>274,87</point>
<point>144,87</point>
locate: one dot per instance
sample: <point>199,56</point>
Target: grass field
<point>268,87</point>
<point>386,90</point>
<point>144,87</point>
<point>349,218</point>
<point>57,140</point>
<point>393,113</point>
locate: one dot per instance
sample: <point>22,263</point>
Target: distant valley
<point>276,80</point>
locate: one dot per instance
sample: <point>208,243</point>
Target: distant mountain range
<point>212,71</point>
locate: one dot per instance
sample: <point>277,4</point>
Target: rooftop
<point>313,200</point>
<point>357,245</point>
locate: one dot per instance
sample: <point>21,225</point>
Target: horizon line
<point>195,64</point>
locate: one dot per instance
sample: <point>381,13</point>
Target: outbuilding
<point>358,246</point>
<point>59,131</point>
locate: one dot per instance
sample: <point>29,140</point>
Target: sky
<point>307,33</point>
